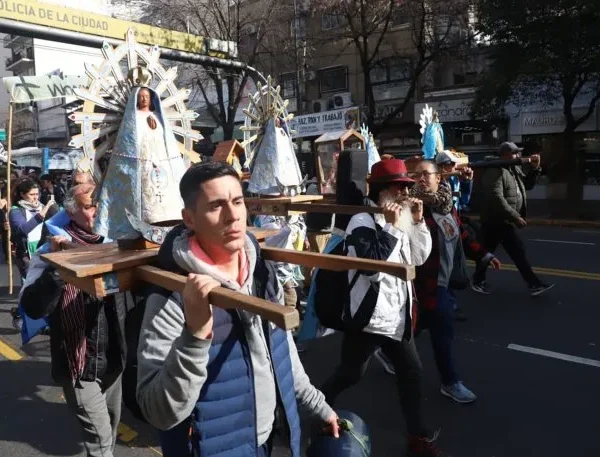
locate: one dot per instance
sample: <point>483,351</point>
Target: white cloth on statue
<point>159,186</point>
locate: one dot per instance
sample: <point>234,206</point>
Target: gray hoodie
<point>172,362</point>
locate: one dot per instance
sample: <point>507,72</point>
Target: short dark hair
<point>198,174</point>
<point>46,177</point>
<point>24,187</point>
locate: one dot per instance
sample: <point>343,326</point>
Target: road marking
<point>552,272</point>
<point>563,242</point>
<point>555,355</point>
<point>125,433</point>
<point>8,352</point>
<point>594,232</point>
<point>153,449</point>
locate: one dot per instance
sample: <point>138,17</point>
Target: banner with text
<point>60,17</point>
<point>25,89</point>
<point>329,121</point>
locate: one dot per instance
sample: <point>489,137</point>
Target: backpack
<point>332,296</point>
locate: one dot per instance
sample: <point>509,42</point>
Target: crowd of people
<point>228,383</point>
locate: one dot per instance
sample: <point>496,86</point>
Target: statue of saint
<point>141,184</point>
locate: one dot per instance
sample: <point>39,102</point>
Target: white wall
<point>68,59</point>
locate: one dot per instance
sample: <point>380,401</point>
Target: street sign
<point>2,134</point>
<point>59,17</point>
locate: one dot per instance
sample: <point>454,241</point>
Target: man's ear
<point>188,218</point>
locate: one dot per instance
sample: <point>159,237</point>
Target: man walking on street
<point>398,235</point>
<point>219,382</point>
<point>503,212</point>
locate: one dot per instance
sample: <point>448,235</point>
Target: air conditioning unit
<point>341,100</point>
<point>320,105</point>
<point>470,139</point>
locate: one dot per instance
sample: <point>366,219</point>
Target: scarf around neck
<point>72,310</point>
<point>29,206</point>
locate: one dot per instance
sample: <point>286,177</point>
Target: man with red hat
<point>398,235</point>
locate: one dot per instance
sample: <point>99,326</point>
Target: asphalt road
<point>531,403</point>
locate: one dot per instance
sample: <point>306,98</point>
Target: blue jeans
<point>440,323</point>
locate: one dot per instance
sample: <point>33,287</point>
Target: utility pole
<point>299,68</point>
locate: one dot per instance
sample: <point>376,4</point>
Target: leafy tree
<point>543,51</point>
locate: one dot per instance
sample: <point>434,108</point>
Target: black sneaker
<point>459,315</point>
<point>17,322</point>
<point>539,290</point>
<point>481,287</point>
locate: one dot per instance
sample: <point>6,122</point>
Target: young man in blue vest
<point>219,382</point>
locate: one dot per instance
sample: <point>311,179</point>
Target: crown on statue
<point>139,77</point>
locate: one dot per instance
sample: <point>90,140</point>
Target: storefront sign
<point>383,110</point>
<point>25,89</point>
<point>59,17</point>
<point>541,122</point>
<point>448,110</point>
<point>328,121</point>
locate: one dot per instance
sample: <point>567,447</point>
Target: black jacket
<point>104,328</point>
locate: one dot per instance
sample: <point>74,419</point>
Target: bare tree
<point>252,26</point>
<point>437,28</point>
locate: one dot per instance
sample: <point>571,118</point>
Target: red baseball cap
<point>388,171</point>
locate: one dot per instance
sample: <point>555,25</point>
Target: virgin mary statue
<point>141,184</point>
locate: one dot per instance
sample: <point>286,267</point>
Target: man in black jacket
<point>87,334</point>
<point>504,211</point>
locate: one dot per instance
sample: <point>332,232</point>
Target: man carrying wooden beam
<point>385,302</point>
<point>222,382</point>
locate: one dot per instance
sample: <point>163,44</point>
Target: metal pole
<point>8,196</point>
<point>81,39</point>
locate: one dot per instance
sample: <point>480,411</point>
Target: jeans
<point>98,411</point>
<point>506,234</point>
<point>357,349</point>
<point>440,322</point>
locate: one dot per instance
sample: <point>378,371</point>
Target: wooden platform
<point>105,269</point>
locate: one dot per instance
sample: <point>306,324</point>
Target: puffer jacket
<point>500,187</point>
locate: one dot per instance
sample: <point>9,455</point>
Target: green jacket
<point>500,187</point>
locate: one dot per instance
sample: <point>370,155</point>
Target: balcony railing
<point>15,40</point>
<point>17,57</point>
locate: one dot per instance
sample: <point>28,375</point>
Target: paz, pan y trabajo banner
<point>60,17</point>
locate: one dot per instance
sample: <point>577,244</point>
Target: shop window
<point>331,21</point>
<point>334,79</point>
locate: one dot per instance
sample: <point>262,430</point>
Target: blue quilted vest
<point>223,422</point>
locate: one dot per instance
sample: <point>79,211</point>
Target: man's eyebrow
<point>225,200</point>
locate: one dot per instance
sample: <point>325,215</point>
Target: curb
<point>553,222</point>
<point>9,352</point>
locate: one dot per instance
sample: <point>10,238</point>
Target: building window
<point>288,85</point>
<point>331,21</point>
<point>299,27</point>
<point>393,69</point>
<point>400,17</point>
<point>334,79</point>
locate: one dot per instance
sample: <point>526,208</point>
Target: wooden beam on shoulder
<point>284,317</point>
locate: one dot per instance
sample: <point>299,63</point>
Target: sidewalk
<point>548,213</point>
